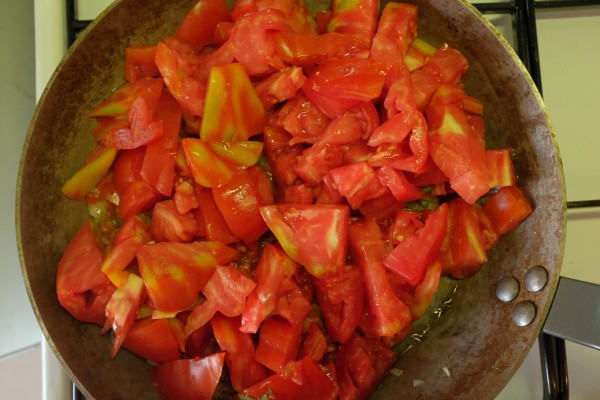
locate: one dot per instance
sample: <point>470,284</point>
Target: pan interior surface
<point>471,346</point>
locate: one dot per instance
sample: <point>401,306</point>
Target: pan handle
<point>574,316</point>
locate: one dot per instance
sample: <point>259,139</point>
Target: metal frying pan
<point>470,351</point>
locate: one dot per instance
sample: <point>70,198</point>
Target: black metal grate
<point>552,349</point>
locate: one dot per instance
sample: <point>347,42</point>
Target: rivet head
<point>535,279</point>
<point>507,289</point>
<point>523,313</point>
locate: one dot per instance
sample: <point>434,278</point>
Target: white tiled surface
<point>18,328</point>
<point>21,375</point>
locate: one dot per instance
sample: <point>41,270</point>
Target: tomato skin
<point>341,298</point>
<point>188,379</point>
<point>209,219</point>
<point>314,344</point>
<point>396,30</point>
<point>121,250</point>
<point>198,27</point>
<point>308,49</point>
<point>135,195</point>
<point>507,208</point>
<point>233,110</point>
<point>187,90</point>
<point>357,18</point>
<point>465,251</point>
<point>225,292</point>
<point>412,255</point>
<point>175,272</point>
<point>122,308</point>
<point>367,248</point>
<point>158,166</point>
<point>279,86</point>
<point>82,289</point>
<point>153,340</point>
<point>298,380</point>
<point>168,225</point>
<point>119,103</point>
<point>398,184</point>
<point>278,343</point>
<point>139,63</point>
<point>295,11</point>
<point>239,201</point>
<point>340,84</point>
<point>273,266</point>
<point>361,364</point>
<point>320,248</point>
<point>456,150</point>
<point>244,370</point>
<point>256,31</point>
<point>90,174</point>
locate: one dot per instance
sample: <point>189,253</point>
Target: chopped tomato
<point>122,308</point>
<point>233,111</point>
<point>89,175</point>
<point>168,225</point>
<point>209,219</point>
<point>139,63</point>
<point>135,195</point>
<point>187,90</point>
<point>313,235</point>
<point>159,158</point>
<point>153,340</point>
<point>273,266</point>
<point>188,379</point>
<point>280,86</point>
<point>307,50</point>
<point>507,208</point>
<point>175,272</point>
<point>119,103</point>
<point>244,370</point>
<point>225,292</point>
<point>121,250</point>
<point>412,255</point>
<point>278,343</point>
<point>296,12</point>
<point>340,84</point>
<point>82,288</point>
<point>341,298</point>
<point>356,18</point>
<point>298,380</point>
<point>314,344</point>
<point>360,366</point>
<point>198,27</point>
<point>367,248</point>
<point>465,252</point>
<point>240,199</point>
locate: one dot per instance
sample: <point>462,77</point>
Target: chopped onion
<point>418,382</point>
<point>446,371</point>
<point>396,371</point>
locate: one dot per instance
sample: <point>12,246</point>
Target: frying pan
<point>470,343</point>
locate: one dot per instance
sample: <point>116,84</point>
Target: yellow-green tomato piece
<point>88,176</point>
<point>233,111</point>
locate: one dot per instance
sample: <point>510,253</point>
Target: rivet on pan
<point>507,289</point>
<point>523,313</point>
<point>535,279</point>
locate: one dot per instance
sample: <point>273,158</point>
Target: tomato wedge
<point>313,235</point>
<point>188,379</point>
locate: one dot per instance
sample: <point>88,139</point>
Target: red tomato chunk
<point>279,196</point>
